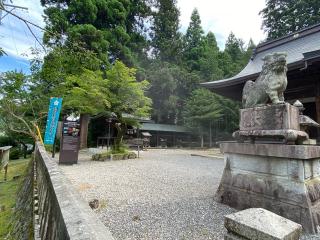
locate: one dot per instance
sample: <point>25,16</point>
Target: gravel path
<point>166,194</point>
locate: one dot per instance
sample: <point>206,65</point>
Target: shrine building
<point>303,49</point>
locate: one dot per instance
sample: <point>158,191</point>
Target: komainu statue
<point>271,83</point>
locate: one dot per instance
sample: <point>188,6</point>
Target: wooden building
<point>166,135</point>
<point>303,49</point>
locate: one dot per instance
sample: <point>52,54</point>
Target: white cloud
<point>15,37</point>
<point>223,16</point>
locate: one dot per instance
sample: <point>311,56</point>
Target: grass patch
<point>8,192</point>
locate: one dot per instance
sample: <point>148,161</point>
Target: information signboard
<point>70,141</point>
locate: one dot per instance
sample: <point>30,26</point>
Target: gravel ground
<point>166,194</point>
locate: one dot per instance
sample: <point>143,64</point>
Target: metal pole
<point>210,135</point>
<point>54,148</point>
<point>108,142</point>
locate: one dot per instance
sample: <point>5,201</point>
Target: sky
<point>219,16</point>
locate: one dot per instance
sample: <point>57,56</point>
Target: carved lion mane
<point>271,83</point>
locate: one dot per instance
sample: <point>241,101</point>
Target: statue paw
<point>278,102</point>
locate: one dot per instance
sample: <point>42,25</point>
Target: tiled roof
<point>297,45</point>
<point>163,128</point>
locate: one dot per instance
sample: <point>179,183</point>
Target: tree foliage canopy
<point>282,17</point>
<point>201,108</point>
<point>99,53</point>
<point>113,29</point>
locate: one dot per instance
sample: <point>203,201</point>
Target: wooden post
<point>317,102</point>
<point>157,139</point>
<point>84,122</point>
<point>5,172</point>
<point>318,108</point>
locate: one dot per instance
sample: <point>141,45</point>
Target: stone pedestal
<point>284,179</point>
<point>278,121</point>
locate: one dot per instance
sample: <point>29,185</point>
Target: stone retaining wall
<point>22,218</point>
<point>62,212</point>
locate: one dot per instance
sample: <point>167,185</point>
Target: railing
<point>62,212</point>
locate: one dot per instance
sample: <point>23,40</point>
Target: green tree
<point>209,62</point>
<point>163,91</point>
<point>249,51</point>
<point>113,29</point>
<point>233,55</point>
<point>200,109</point>
<point>170,86</point>
<point>126,96</point>
<point>193,43</point>
<point>60,63</point>
<point>2,52</point>
<point>80,93</point>
<point>20,110</point>
<point>166,38</point>
<point>282,17</point>
<point>234,47</point>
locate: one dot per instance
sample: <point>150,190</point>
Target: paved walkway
<point>166,194</point>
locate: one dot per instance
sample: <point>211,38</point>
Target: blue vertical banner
<point>52,120</point>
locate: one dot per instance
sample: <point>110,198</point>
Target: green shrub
<point>115,156</point>
<point>6,141</point>
<point>101,156</point>
<point>132,155</point>
<point>15,153</point>
<point>121,149</point>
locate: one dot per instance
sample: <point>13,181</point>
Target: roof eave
<point>240,80</point>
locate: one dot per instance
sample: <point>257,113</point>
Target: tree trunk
<point>121,130</point>
<point>201,140</point>
<point>84,122</point>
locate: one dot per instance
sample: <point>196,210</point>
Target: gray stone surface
<point>22,219</point>
<point>272,150</point>
<point>62,212</point>
<point>270,117</point>
<point>271,83</point>
<point>231,236</point>
<point>165,194</point>
<point>281,184</point>
<point>260,224</point>
<point>273,122</point>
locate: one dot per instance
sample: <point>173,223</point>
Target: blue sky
<point>218,16</point>
<point>16,39</point>
<point>14,63</point>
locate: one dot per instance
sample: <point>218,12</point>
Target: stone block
<point>270,117</point>
<point>276,122</point>
<point>261,224</point>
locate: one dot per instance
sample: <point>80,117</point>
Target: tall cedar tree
<point>233,54</point>
<point>209,62</point>
<point>193,47</point>
<point>113,29</point>
<point>282,17</point>
<point>166,39</point>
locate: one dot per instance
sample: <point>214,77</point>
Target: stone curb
<point>207,156</point>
